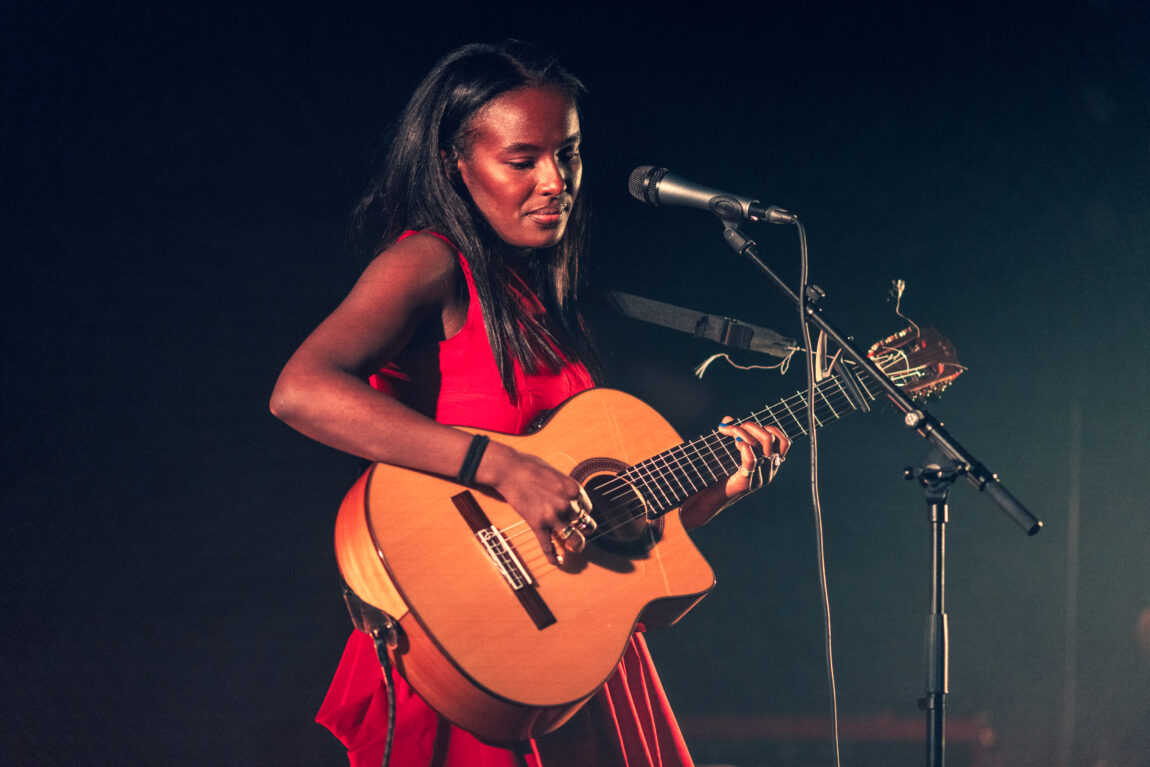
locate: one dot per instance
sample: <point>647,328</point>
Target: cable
<point>379,636</point>
<point>812,423</point>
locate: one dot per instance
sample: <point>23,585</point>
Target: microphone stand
<point>948,461</point>
<point>936,476</point>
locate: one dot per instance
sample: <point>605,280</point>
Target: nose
<point>552,177</point>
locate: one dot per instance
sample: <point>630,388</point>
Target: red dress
<point>628,723</point>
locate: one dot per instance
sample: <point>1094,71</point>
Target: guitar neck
<point>671,477</point>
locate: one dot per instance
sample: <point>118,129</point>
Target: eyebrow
<point>524,146</point>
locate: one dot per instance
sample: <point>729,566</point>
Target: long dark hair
<point>413,191</point>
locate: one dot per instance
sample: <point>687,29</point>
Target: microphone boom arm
<point>914,417</point>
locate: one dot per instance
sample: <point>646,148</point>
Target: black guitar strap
<point>722,330</point>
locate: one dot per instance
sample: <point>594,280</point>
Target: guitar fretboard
<point>668,479</point>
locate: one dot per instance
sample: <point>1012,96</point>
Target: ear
<point>450,160</point>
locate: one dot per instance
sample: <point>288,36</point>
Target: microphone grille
<point>644,182</point>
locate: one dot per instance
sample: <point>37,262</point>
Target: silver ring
<point>585,523</point>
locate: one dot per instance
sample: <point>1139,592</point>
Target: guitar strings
<point>633,480</point>
<point>644,473</point>
<point>700,454</point>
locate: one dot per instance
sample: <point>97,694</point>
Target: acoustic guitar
<point>508,646</point>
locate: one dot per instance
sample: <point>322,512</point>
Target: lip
<point>550,213</point>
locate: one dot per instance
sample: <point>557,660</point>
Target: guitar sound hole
<point>619,512</point>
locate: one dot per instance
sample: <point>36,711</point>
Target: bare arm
<point>323,392</point>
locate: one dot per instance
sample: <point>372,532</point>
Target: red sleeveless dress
<point>628,723</point>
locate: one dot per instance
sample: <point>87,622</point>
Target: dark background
<point>174,184</point>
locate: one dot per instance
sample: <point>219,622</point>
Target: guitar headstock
<point>921,361</point>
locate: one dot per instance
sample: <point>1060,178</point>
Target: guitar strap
<point>722,330</point>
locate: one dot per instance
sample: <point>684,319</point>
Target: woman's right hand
<point>545,497</point>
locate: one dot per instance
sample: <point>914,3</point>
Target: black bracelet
<point>472,459</point>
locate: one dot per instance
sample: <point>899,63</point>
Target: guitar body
<point>508,646</point>
<point>469,642</point>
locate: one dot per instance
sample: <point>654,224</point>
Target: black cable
<point>380,639</point>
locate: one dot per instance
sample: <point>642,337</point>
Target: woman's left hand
<point>762,450</point>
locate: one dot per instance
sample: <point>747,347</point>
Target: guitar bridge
<point>505,558</point>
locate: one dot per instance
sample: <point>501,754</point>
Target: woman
<point>476,227</point>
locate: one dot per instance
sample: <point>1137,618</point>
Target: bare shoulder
<point>423,268</point>
<point>420,254</point>
<point>411,283</point>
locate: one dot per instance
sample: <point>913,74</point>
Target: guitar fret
<point>794,418</point>
<point>641,473</point>
<point>703,470</point>
<point>729,458</point>
<point>732,454</point>
<point>715,476</point>
<point>775,420</point>
<point>845,394</point>
<point>834,414</point>
<point>818,391</point>
<point>667,471</point>
<point>861,379</point>
<point>662,490</point>
<point>690,466</point>
<point>709,458</point>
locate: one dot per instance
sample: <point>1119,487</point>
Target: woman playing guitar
<point>466,316</point>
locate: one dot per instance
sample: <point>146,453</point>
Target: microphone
<point>656,186</point>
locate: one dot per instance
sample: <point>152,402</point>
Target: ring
<point>585,523</point>
<point>744,471</point>
<point>777,461</point>
<point>571,539</point>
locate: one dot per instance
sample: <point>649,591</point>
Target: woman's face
<point>522,166</point>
